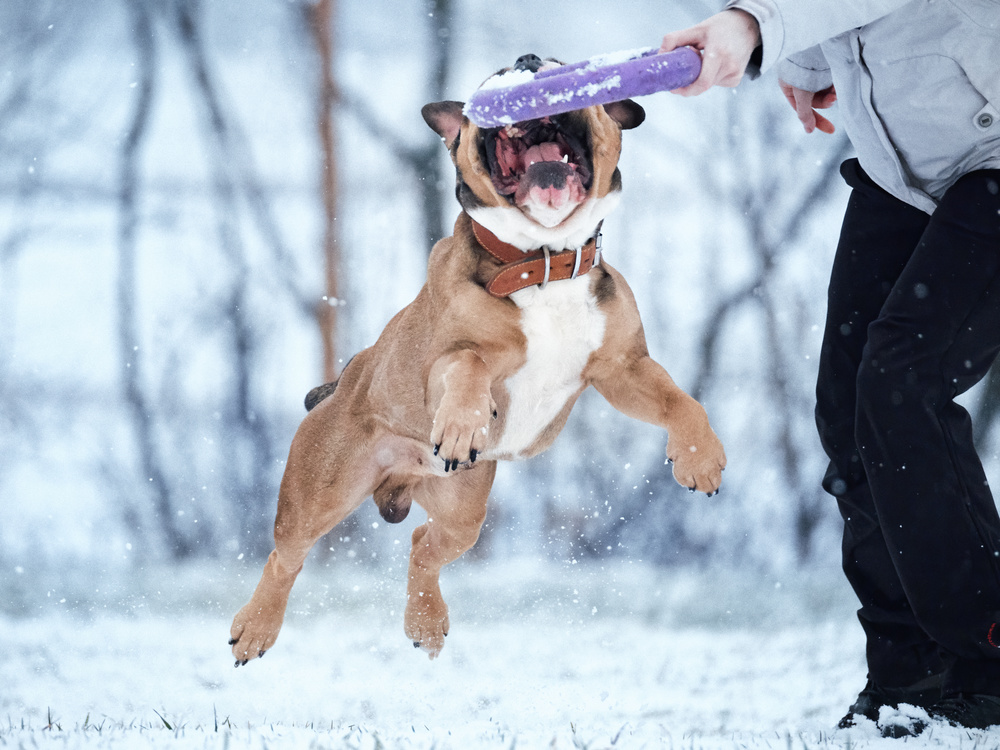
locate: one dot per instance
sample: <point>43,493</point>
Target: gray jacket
<point>918,81</point>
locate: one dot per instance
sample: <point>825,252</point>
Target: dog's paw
<point>698,462</point>
<point>253,632</point>
<point>426,622</point>
<point>460,430</point>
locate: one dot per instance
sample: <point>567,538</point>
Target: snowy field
<point>539,656</point>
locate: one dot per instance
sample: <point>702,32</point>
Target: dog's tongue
<point>543,152</point>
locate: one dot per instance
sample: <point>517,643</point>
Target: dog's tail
<point>318,393</point>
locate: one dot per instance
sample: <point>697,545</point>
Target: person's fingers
<point>692,37</point>
<point>821,100</point>
<point>708,77</point>
<point>804,109</point>
<point>788,92</point>
<point>805,103</point>
<point>823,125</point>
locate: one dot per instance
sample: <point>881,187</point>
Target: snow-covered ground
<point>540,655</point>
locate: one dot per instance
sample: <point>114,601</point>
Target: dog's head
<point>539,182</point>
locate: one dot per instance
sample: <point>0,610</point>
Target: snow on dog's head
<point>546,181</point>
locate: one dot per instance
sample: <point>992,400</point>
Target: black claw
<point>691,489</point>
<point>260,654</point>
<point>233,641</point>
<point>495,415</point>
<point>714,493</point>
<point>670,461</point>
<point>437,448</point>
<point>237,664</point>
<point>472,455</point>
<point>416,644</point>
<point>447,465</point>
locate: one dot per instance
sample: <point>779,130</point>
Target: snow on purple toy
<point>518,95</point>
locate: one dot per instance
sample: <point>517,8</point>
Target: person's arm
<point>780,27</point>
<point>790,26</point>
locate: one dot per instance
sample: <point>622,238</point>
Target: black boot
<point>968,711</point>
<point>972,711</point>
<point>924,694</point>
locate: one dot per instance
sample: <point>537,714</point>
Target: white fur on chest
<point>563,326</point>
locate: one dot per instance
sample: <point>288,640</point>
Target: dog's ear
<point>445,119</point>
<point>626,113</point>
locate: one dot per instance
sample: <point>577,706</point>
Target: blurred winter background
<point>207,206</point>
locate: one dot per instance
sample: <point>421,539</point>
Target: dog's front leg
<point>640,387</point>
<point>459,398</point>
<point>456,508</point>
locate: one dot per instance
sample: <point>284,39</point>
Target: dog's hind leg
<point>456,509</point>
<point>323,483</point>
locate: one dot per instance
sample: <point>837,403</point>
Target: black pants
<point>913,321</point>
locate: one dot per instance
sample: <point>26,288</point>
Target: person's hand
<point>725,40</point>
<point>805,104</point>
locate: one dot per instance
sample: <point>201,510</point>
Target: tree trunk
<point>321,24</point>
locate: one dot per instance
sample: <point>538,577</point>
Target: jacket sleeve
<point>789,26</point>
<point>807,70</point>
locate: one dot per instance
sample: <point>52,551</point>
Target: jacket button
<point>985,120</point>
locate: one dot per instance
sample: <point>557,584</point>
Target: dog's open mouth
<point>541,163</point>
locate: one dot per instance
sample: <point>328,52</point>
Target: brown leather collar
<point>523,269</point>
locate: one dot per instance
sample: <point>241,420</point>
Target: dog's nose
<point>530,63</point>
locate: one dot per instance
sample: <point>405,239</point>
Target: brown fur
<point>437,377</point>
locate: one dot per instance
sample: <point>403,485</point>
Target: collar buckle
<point>576,262</point>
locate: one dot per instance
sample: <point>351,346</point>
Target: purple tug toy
<point>519,95</point>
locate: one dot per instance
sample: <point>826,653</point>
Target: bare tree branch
<point>233,141</point>
<point>424,160</point>
<point>139,408</point>
<point>252,448</point>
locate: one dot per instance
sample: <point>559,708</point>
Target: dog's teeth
<point>565,159</point>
